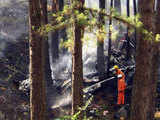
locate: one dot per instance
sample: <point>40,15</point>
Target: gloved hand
<point>98,85</point>
<point>111,69</point>
<point>119,76</point>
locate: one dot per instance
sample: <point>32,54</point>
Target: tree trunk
<point>61,4</point>
<point>127,34</point>
<point>100,43</point>
<point>77,67</point>
<point>77,73</point>
<point>158,17</point>
<point>128,9</point>
<point>36,72</point>
<point>156,48</point>
<point>117,5</point>
<point>47,66</point>
<point>142,107</point>
<point>109,40</point>
<point>54,35</point>
<point>63,33</point>
<point>135,13</point>
<point>134,7</point>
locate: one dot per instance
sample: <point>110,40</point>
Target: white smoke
<point>13,20</point>
<point>62,101</point>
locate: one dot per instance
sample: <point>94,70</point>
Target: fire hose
<point>98,85</point>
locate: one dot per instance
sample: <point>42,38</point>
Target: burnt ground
<point>102,107</point>
<point>14,105</point>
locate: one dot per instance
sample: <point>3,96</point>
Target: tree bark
<point>109,40</point>
<point>100,43</point>
<point>117,5</point>
<point>77,66</point>
<point>156,49</point>
<point>134,7</point>
<point>47,65</point>
<point>142,107</point>
<point>135,13</point>
<point>77,73</point>
<point>127,34</point>
<point>36,71</point>
<point>63,33</point>
<point>61,4</point>
<point>158,17</point>
<point>54,35</point>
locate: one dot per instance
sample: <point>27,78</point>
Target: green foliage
<point>157,38</point>
<point>88,19</point>
<point>114,34</point>
<point>93,21</point>
<point>69,42</point>
<point>138,23</point>
<point>82,19</point>
<point>82,109</point>
<point>33,27</point>
<point>148,35</point>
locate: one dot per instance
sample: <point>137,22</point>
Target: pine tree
<point>100,43</point>
<point>156,52</point>
<point>36,71</point>
<point>127,34</point>
<point>55,34</point>
<point>134,7</point>
<point>109,39</point>
<point>135,13</point>
<point>47,66</point>
<point>63,33</point>
<point>77,64</point>
<point>143,92</point>
<point>117,7</point>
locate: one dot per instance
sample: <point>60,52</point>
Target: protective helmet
<point>115,67</point>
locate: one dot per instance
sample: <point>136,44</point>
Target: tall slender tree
<point>47,66</point>
<point>117,7</point>
<point>135,13</point>
<point>61,4</point>
<point>62,33</point>
<point>142,107</point>
<point>127,34</point>
<point>77,63</point>
<point>110,38</point>
<point>156,50</point>
<point>36,72</point>
<point>55,34</point>
<point>134,7</point>
<point>100,43</point>
<point>158,17</point>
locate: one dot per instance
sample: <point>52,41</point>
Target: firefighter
<point>121,85</point>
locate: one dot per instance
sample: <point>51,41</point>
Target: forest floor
<point>103,107</point>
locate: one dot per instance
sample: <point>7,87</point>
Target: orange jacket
<point>121,81</point>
